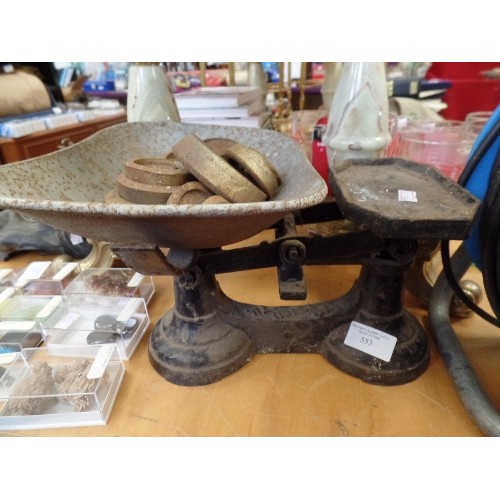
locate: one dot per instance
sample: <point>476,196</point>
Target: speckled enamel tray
<point>66,189</point>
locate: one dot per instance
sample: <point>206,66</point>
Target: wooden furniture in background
<point>48,141</point>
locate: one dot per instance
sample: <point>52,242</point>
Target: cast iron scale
<point>207,335</point>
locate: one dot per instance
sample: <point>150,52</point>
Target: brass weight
<point>157,171</point>
<point>189,193</point>
<point>255,166</point>
<point>141,193</point>
<point>215,172</point>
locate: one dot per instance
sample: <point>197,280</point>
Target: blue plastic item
<point>99,86</point>
<point>478,182</point>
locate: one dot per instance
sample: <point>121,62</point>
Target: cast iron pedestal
<point>392,203</point>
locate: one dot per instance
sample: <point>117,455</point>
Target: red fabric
<point>319,157</point>
<point>459,70</point>
<point>470,91</point>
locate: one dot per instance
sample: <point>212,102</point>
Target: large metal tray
<point>66,189</point>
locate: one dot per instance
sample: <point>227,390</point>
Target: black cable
<point>74,250</point>
<point>489,232</point>
<point>455,286</point>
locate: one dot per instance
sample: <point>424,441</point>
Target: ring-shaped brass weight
<point>219,144</point>
<point>255,166</point>
<point>190,193</point>
<point>214,199</point>
<point>215,172</point>
<point>113,196</point>
<point>145,194</point>
<point>157,171</point>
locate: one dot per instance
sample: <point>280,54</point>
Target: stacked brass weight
<point>190,193</point>
<point>254,166</point>
<point>237,173</point>
<point>148,181</point>
<point>216,170</point>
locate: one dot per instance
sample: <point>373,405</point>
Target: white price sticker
<point>50,307</point>
<point>32,272</point>
<point>8,357</point>
<point>7,293</point>
<point>135,280</point>
<point>4,273</point>
<point>370,341</point>
<point>67,268</point>
<point>103,356</point>
<point>18,326</point>
<point>76,239</point>
<point>130,308</point>
<point>407,195</point>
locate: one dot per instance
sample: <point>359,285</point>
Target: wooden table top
<point>291,394</point>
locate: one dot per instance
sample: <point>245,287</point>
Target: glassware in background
<point>398,124</point>
<point>302,128</point>
<point>393,123</point>
<point>475,121</point>
<point>120,80</point>
<point>444,145</point>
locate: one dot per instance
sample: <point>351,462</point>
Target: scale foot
<point>197,352</point>
<point>409,360</point>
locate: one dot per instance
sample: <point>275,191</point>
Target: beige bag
<point>21,93</point>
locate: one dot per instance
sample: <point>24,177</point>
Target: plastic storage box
<point>83,320</point>
<point>16,307</point>
<point>46,277</point>
<point>42,388</point>
<point>17,335</point>
<point>123,282</point>
<point>21,316</point>
<point>6,276</point>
